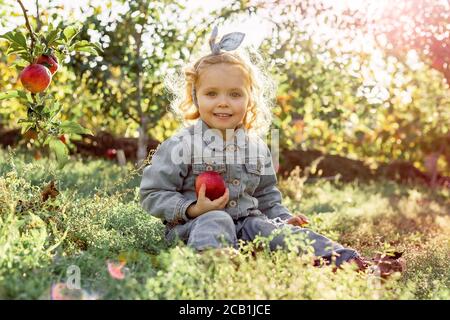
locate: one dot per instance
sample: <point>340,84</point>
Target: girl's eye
<point>234,94</point>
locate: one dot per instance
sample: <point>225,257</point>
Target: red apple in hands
<point>35,78</point>
<point>49,61</point>
<point>215,186</point>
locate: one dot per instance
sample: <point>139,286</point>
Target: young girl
<point>228,96</point>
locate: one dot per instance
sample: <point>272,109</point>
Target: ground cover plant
<point>93,234</point>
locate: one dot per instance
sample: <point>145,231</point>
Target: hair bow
<point>230,41</point>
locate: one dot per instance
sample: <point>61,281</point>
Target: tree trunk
<point>142,141</point>
<point>143,118</point>
<point>38,18</point>
<point>431,167</point>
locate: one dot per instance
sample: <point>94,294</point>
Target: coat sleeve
<point>267,193</point>
<point>162,183</point>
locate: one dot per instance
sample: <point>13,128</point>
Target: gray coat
<point>168,183</point>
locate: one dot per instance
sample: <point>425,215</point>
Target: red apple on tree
<point>215,185</point>
<point>35,78</point>
<point>37,155</point>
<point>62,138</point>
<point>37,52</point>
<point>111,153</point>
<point>50,61</point>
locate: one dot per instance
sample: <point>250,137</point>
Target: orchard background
<point>363,110</point>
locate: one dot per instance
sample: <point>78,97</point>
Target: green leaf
<point>25,55</point>
<point>29,97</point>
<point>71,127</point>
<point>60,150</point>
<point>21,39</point>
<point>20,64</point>
<point>16,37</point>
<point>15,48</point>
<point>54,110</point>
<point>85,46</point>
<point>8,36</point>
<point>26,126</point>
<point>9,94</point>
<point>97,46</point>
<point>79,44</point>
<point>90,50</point>
<point>52,36</point>
<point>71,31</point>
<point>24,121</point>
<point>47,140</point>
<point>23,95</point>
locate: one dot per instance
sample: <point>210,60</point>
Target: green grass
<point>97,218</point>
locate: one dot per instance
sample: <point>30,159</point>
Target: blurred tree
<point>343,89</point>
<point>341,93</point>
<point>141,45</point>
<point>28,51</point>
<point>420,25</point>
<point>317,99</point>
<point>7,75</point>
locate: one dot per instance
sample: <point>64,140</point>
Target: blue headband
<point>229,42</point>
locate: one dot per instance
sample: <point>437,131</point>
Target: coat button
<point>232,203</point>
<point>236,182</point>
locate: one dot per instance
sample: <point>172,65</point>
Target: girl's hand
<point>203,204</point>
<point>298,221</point>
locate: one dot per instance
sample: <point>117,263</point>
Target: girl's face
<point>223,96</point>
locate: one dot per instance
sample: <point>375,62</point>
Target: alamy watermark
<point>73,277</point>
<point>208,146</point>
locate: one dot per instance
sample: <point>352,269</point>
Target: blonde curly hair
<point>258,116</point>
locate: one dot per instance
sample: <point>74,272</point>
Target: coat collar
<point>214,138</point>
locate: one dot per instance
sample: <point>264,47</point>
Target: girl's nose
<point>223,102</point>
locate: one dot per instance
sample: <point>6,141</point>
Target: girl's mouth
<point>222,115</point>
